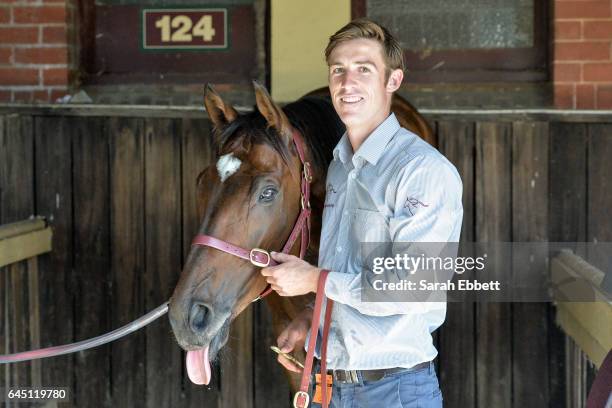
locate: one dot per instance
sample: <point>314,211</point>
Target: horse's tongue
<point>198,366</point>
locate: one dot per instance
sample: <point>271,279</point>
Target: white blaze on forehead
<point>227,165</point>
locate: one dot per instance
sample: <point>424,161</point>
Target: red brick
<point>568,30</point>
<point>604,97</point>
<point>598,30</point>
<point>564,96</point>
<point>5,96</point>
<point>582,9</point>
<point>55,76</point>
<point>585,96</point>
<point>53,55</point>
<point>54,35</point>
<point>18,76</point>
<point>5,14</point>
<point>567,72</point>
<point>40,96</point>
<point>22,96</point>
<point>582,51</point>
<point>5,55</point>
<point>38,15</point>
<point>57,93</point>
<point>18,35</point>
<point>597,72</point>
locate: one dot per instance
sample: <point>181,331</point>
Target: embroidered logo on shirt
<point>330,190</point>
<point>412,204</point>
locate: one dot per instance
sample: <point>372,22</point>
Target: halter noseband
<point>260,257</point>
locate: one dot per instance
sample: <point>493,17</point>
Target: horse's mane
<point>314,117</point>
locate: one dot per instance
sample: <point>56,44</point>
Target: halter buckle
<point>307,172</point>
<point>253,257</point>
<point>305,204</point>
<point>301,399</point>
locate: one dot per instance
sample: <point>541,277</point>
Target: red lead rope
<point>301,398</point>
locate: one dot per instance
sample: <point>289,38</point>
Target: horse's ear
<point>220,113</point>
<point>274,115</point>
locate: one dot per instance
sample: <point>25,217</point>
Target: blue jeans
<point>405,389</point>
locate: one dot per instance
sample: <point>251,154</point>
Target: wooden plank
<point>271,386</point>
<point>4,284</point>
<point>17,203</point>
<point>34,317</point>
<point>567,223</point>
<point>529,224</point>
<point>127,240</point>
<point>91,262</point>
<point>599,222</point>
<point>493,212</point>
<point>456,353</point>
<point>163,256</point>
<point>21,227</point>
<point>197,152</point>
<point>54,201</point>
<point>583,336</point>
<point>173,111</point>
<point>25,246</point>
<point>237,369</point>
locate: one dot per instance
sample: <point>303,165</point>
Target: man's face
<point>357,83</point>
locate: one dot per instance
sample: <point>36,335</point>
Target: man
<point>384,184</point>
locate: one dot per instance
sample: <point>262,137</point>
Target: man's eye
<point>364,69</point>
<point>337,70</point>
<point>268,194</point>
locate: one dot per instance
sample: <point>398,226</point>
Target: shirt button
<point>345,212</point>
<point>339,248</point>
<point>353,176</point>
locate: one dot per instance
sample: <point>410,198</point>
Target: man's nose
<point>348,78</point>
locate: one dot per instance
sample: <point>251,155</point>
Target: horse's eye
<point>268,194</point>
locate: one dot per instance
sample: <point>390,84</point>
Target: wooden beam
<point>21,227</point>
<point>586,322</point>
<point>20,247</point>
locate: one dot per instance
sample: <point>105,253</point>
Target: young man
<point>384,184</point>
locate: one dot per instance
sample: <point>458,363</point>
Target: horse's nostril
<point>199,317</point>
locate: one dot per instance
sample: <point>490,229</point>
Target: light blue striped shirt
<point>395,188</point>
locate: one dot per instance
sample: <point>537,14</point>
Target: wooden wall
<point>118,189</point>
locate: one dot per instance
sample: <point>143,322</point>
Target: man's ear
<point>220,113</point>
<point>395,80</point>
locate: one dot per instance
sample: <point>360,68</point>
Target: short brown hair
<point>366,28</point>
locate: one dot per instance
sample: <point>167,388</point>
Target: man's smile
<point>351,99</point>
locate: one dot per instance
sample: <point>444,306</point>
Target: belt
<point>355,376</point>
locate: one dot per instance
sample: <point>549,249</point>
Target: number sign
<point>184,29</point>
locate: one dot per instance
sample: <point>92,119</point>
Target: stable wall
<point>299,33</point>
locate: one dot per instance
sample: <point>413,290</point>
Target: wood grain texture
<point>457,351</point>
<point>127,247</point>
<point>493,224</point>
<point>529,223</point>
<point>162,255</point>
<point>53,146</point>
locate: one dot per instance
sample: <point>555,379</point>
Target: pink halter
<point>260,257</point>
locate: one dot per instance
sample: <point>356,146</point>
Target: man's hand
<point>294,335</point>
<point>293,276</point>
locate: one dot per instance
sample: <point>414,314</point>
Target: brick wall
<point>36,55</point>
<point>582,68</point>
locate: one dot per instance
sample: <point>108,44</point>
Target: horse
<point>250,197</point>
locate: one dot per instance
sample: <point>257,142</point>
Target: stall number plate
<point>184,29</point>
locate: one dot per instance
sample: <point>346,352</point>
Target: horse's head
<point>249,197</point>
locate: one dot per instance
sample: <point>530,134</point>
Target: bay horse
<point>250,197</point>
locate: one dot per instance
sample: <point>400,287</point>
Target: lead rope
<point>301,398</point>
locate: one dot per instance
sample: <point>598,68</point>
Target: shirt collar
<point>372,147</point>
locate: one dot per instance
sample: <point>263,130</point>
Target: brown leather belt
<point>354,376</point>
